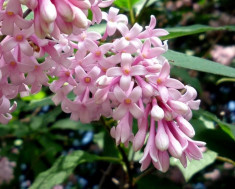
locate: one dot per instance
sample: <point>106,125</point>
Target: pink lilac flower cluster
<point>122,77</point>
<point>6,170</point>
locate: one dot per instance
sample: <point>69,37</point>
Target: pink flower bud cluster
<point>122,77</point>
<point>6,170</point>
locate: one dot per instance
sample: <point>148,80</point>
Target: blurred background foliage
<point>49,149</point>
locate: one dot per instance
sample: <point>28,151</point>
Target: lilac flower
<point>19,39</point>
<point>13,15</point>
<point>126,71</point>
<point>113,19</point>
<point>127,102</point>
<point>6,170</point>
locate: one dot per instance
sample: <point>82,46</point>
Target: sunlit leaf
<point>63,167</point>
<point>72,125</point>
<point>194,29</point>
<point>199,64</point>
<point>195,166</point>
<point>125,4</point>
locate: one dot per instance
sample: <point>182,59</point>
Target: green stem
<point>225,80</point>
<point>142,10</point>
<point>110,159</point>
<point>124,159</point>
<point>149,171</point>
<point>131,12</point>
<point>225,160</point>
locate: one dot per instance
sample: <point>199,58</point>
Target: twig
<point>131,12</point>
<point>142,10</point>
<point>124,156</point>
<point>220,158</point>
<point>26,13</point>
<point>149,171</point>
<point>106,173</point>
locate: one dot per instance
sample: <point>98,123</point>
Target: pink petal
<point>194,104</point>
<point>119,113</point>
<point>94,72</point>
<point>138,70</point>
<point>80,73</point>
<point>163,93</point>
<point>120,44</point>
<point>185,126</point>
<point>106,3</point>
<point>160,32</point>
<point>135,30</point>
<point>111,28</point>
<point>145,163</point>
<point>161,139</point>
<point>114,72</point>
<point>165,71</point>
<point>125,82</point>
<point>26,48</point>
<point>9,44</point>
<point>123,29</point>
<point>22,23</point>
<point>135,94</point>
<point>5,105</point>
<point>126,60</point>
<point>119,94</point>
<point>174,83</point>
<point>7,26</point>
<point>136,111</point>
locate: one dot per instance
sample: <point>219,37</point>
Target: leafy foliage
<point>195,166</point>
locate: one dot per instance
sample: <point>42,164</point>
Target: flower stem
<point>147,172</point>
<point>220,158</point>
<point>131,12</point>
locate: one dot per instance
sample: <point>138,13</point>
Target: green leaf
<point>184,75</point>
<point>214,137</point>
<point>106,142</point>
<point>195,166</point>
<point>40,95</point>
<point>39,103</point>
<point>125,4</point>
<point>194,29</point>
<point>140,5</point>
<point>199,64</point>
<point>154,181</point>
<point>227,128</point>
<point>99,28</point>
<point>72,125</point>
<point>63,167</point>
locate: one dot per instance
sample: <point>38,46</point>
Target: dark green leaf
<point>99,28</point>
<point>63,167</point>
<point>199,64</point>
<point>70,124</point>
<point>106,142</point>
<point>184,75</point>
<point>216,139</point>
<point>195,166</point>
<point>227,128</point>
<point>125,4</point>
<point>154,181</point>
<point>194,29</point>
<point>39,103</point>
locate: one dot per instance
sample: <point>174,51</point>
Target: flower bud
<point>48,11</point>
<point>185,126</point>
<point>178,107</point>
<point>161,138</point>
<point>157,113</point>
<point>65,11</point>
<point>80,19</point>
